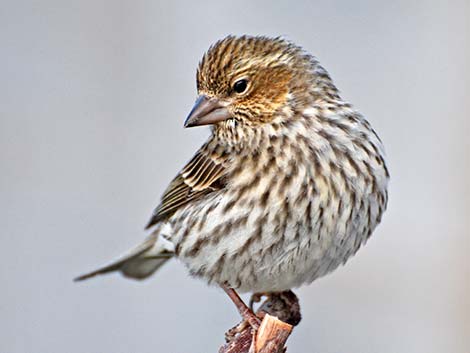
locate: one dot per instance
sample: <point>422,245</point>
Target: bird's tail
<point>141,261</point>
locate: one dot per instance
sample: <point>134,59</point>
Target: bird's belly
<point>273,234</point>
<point>277,247</point>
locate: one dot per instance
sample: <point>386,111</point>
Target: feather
<point>200,176</point>
<point>141,261</point>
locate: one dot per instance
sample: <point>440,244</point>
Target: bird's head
<point>245,82</point>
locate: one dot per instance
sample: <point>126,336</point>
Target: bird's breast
<point>292,211</point>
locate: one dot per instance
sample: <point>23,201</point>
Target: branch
<point>280,313</point>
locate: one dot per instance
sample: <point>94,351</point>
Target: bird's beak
<point>207,110</point>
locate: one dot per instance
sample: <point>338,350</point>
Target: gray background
<point>93,95</point>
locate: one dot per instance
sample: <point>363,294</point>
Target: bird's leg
<point>246,313</point>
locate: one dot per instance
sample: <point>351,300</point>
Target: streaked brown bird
<point>290,184</point>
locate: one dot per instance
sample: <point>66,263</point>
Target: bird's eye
<point>240,86</point>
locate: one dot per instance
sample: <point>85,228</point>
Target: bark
<point>280,313</point>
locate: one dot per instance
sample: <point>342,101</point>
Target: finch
<point>289,185</point>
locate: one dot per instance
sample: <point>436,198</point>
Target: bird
<point>290,184</point>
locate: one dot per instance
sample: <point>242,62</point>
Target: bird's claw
<point>247,323</point>
<point>256,298</point>
<point>234,331</point>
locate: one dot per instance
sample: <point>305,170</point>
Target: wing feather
<point>201,176</point>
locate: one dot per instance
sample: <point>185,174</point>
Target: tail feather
<point>140,262</point>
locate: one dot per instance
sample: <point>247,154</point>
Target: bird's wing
<point>202,175</point>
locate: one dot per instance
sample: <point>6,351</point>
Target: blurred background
<point>93,95</point>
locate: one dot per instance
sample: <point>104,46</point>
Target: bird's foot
<point>236,330</point>
<point>256,298</point>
